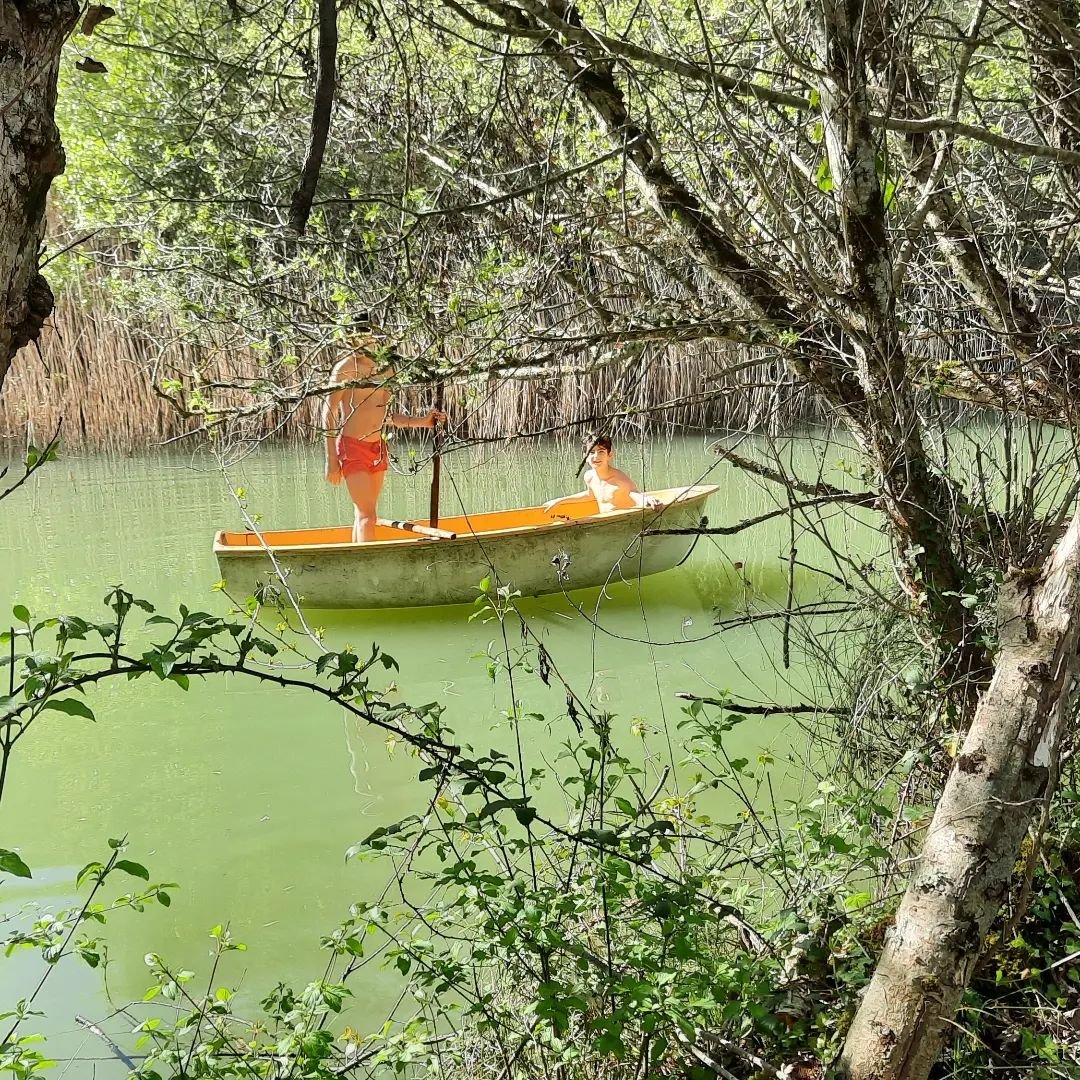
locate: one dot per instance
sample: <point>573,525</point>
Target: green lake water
<point>248,796</point>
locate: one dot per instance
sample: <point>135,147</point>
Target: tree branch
<point>325,88</point>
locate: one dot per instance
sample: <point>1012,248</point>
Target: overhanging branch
<point>325,88</point>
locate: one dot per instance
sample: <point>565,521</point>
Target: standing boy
<point>353,419</point>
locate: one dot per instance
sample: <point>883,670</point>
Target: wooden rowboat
<point>526,549</point>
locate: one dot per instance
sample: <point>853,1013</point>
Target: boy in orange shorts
<point>353,419</point>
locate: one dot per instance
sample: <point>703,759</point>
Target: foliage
<point>512,185</point>
<point>631,934</point>
<point>623,939</point>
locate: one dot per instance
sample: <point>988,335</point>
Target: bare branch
<point>325,88</point>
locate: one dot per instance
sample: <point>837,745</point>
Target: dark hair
<point>592,439</point>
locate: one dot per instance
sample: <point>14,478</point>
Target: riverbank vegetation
<point>878,203</point>
<point>101,373</point>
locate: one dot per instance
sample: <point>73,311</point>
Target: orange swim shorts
<point>359,455</point>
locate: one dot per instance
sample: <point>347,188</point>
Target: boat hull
<point>524,549</point>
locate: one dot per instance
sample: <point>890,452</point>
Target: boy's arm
<point>641,498</point>
<point>430,419</point>
<point>568,500</point>
<point>645,501</point>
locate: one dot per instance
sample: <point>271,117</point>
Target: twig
<point>763,710</point>
<point>755,467</point>
<point>95,1030</point>
<point>856,498</point>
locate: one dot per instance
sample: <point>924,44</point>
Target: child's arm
<point>430,419</point>
<point>331,424</point>
<point>570,500</point>
<point>574,500</point>
<point>645,501</point>
<point>639,498</point>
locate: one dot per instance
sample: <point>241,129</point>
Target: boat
<point>409,564</point>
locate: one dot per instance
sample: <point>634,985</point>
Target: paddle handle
<point>436,460</point>
<point>411,526</point>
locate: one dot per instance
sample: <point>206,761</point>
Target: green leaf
<point>823,178</point>
<point>71,706</point>
<point>133,868</point>
<point>86,871</point>
<point>10,863</point>
<point>21,613</point>
<point>855,901</point>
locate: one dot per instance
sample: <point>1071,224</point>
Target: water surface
<point>249,796</point>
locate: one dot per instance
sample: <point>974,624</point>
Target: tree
<point>32,33</point>
<point>836,187</point>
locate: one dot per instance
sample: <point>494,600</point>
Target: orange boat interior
<point>529,517</point>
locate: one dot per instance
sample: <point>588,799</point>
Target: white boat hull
<point>524,549</point>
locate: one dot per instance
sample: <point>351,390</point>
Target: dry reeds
<point>104,379</point>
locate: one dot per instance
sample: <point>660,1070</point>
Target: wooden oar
<point>436,460</point>
<point>412,526</point>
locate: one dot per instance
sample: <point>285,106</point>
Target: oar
<point>411,526</point>
<point>436,460</point>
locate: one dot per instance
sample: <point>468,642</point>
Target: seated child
<point>608,487</point>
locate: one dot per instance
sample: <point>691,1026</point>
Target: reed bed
<point>102,379</point>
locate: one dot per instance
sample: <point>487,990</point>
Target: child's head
<point>369,355</point>
<point>597,448</point>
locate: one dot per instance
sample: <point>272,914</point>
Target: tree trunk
<point>917,500</point>
<point>997,786</point>
<point>32,33</point>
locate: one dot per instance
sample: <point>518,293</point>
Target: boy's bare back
<point>362,409</point>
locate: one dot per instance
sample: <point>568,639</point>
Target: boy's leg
<point>364,489</point>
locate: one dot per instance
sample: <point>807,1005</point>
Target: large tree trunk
<point>32,33</point>
<point>874,399</point>
<point>917,500</point>
<point>996,789</point>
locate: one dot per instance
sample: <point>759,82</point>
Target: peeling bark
<point>995,791</point>
<point>32,33</point>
